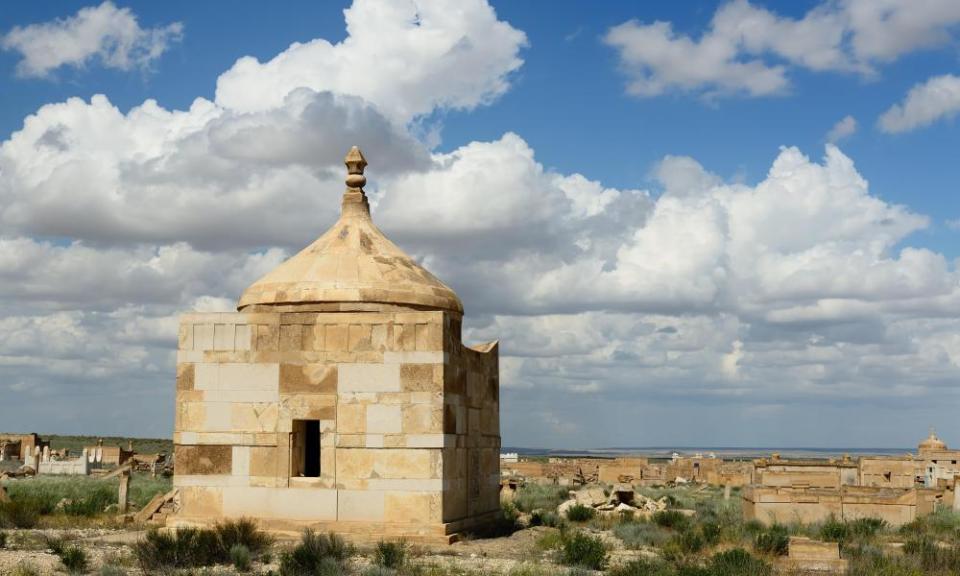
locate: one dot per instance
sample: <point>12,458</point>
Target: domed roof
<point>932,442</point>
<point>353,262</point>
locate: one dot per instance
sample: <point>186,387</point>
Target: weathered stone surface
<point>308,378</point>
<point>196,460</point>
<point>340,396</point>
<point>185,376</point>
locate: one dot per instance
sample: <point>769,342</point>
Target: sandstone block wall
<point>408,421</point>
<point>632,468</point>
<point>889,472</point>
<point>786,505</point>
<point>814,475</point>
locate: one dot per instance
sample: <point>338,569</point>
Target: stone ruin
<point>339,396</point>
<point>895,489</point>
<point>621,499</point>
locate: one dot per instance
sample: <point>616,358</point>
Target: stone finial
<point>355,163</point>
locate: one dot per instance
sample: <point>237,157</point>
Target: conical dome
<point>352,263</point>
<point>932,443</point>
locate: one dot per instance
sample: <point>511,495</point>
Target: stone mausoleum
<point>339,396</point>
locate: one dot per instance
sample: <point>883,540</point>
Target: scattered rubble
<point>622,498</point>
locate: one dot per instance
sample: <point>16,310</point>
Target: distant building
<point>940,464</point>
<point>20,446</point>
<point>895,489</point>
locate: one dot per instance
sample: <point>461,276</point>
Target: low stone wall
<point>770,504</point>
<point>78,467</point>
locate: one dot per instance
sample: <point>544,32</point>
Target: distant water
<point>720,451</point>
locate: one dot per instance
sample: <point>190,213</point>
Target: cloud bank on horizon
<point>698,293</point>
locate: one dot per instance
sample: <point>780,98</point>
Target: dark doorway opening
<point>306,448</point>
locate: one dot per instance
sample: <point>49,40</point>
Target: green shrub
<point>545,497</point>
<point>56,545</point>
<point>3,539</point>
<point>689,541</point>
<point>185,548</point>
<point>92,503</point>
<point>505,523</point>
<point>544,518</point>
<point>866,527</point>
<point>25,568</point>
<point>580,549</point>
<point>240,557</point>
<point>642,567</point>
<point>81,496</point>
<point>112,571</point>
<point>526,569</point>
<point>944,522</point>
<point>550,540</point>
<point>637,534</point>
<point>933,557</point>
<point>74,559</point>
<point>737,562</point>
<point>22,513</point>
<point>192,547</point>
<point>682,546</point>
<point>774,540</point>
<point>242,532</point>
<point>390,554</point>
<point>711,532</point>
<point>691,569</point>
<point>580,513</point>
<point>834,530</point>
<point>315,554</point>
<point>671,519</point>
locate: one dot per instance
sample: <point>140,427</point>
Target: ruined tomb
<point>339,396</point>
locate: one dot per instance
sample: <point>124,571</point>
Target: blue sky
<point>655,237</point>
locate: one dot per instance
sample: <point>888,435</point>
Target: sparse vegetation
<point>774,540</point>
<point>545,518</point>
<point>644,567</point>
<point>64,500</point>
<point>240,557</point>
<point>580,513</point>
<point>316,554</point>
<point>584,550</point>
<point>25,568</point>
<point>390,554</point>
<point>639,534</point>
<point>192,547</point>
<point>73,557</point>
<point>21,513</point>
<point>540,496</point>
<point>671,519</point>
<point>699,535</point>
<point>506,523</point>
<point>737,562</point>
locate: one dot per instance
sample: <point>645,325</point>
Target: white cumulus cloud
<point>105,33</point>
<point>698,298</point>
<point>936,99</point>
<point>405,57</point>
<point>844,128</point>
<point>749,50</point>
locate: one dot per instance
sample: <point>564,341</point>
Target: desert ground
<point>69,525</point>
